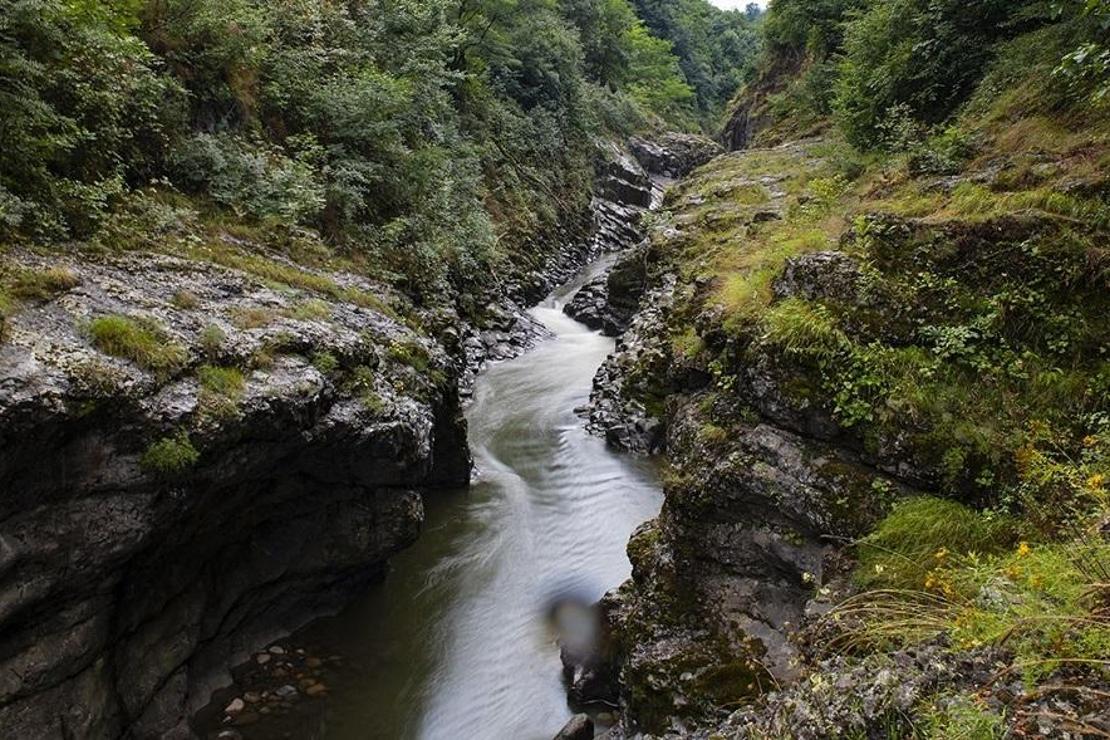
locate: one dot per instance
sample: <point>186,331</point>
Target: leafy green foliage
<point>87,111</point>
<point>170,457</point>
<point>428,139</point>
<point>714,47</point>
<point>922,55</point>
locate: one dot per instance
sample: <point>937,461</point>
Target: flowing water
<point>456,643</point>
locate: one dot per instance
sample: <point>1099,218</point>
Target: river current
<point>456,643</point>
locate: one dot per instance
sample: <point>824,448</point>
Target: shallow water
<point>456,643</point>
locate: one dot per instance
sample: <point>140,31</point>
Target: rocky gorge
<point>746,590</point>
<point>203,452</point>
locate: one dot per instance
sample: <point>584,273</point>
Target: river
<point>456,643</point>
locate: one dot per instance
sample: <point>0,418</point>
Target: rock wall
<point>760,484</point>
<point>128,585</point>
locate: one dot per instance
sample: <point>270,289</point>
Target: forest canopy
<point>883,70</point>
<point>419,133</point>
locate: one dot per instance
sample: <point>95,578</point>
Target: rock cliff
<point>193,462</point>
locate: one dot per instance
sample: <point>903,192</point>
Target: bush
<point>170,457</point>
<point>86,109</point>
<point>142,341</point>
<point>923,55</point>
<point>250,177</point>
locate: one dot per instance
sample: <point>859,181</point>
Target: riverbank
<point>885,492</point>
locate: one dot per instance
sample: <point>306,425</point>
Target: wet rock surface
<point>279,691</point>
<point>578,727</point>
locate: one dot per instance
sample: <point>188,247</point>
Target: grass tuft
<point>42,285</point>
<point>140,340</point>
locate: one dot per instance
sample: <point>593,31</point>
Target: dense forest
<point>415,135</point>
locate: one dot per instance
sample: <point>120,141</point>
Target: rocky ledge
<point>196,459</point>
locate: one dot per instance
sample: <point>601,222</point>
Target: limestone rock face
<point>129,580</point>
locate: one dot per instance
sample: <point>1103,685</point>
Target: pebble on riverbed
<point>276,680</point>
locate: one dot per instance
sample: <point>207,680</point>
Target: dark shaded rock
<point>820,275</point>
<point>128,590</point>
<point>578,727</point>
<point>674,154</point>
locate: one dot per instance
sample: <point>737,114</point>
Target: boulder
<point>156,526</point>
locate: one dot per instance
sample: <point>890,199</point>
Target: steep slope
<point>880,384</point>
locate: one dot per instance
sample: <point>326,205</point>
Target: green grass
<point>288,274</point>
<point>325,362</point>
<point>224,381</point>
<point>141,340</point>
<point>309,310</point>
<point>212,339</point>
<point>252,317</point>
<point>919,534</point>
<point>185,300</point>
<point>410,353</point>
<point>40,285</point>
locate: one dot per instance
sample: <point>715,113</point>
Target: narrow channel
<point>456,643</point>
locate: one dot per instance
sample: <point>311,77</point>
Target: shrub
<point>140,340</point>
<point>920,56</point>
<point>170,457</point>
<point>252,178</point>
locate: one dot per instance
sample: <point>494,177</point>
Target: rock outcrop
<point>674,155</point>
<point>193,461</point>
<point>759,481</point>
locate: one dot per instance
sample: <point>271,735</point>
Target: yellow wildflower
<point>1023,549</point>
<point>941,554</point>
<point>1095,481</point>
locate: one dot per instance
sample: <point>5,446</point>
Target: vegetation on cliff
<point>424,141</point>
<point>918,281</point>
